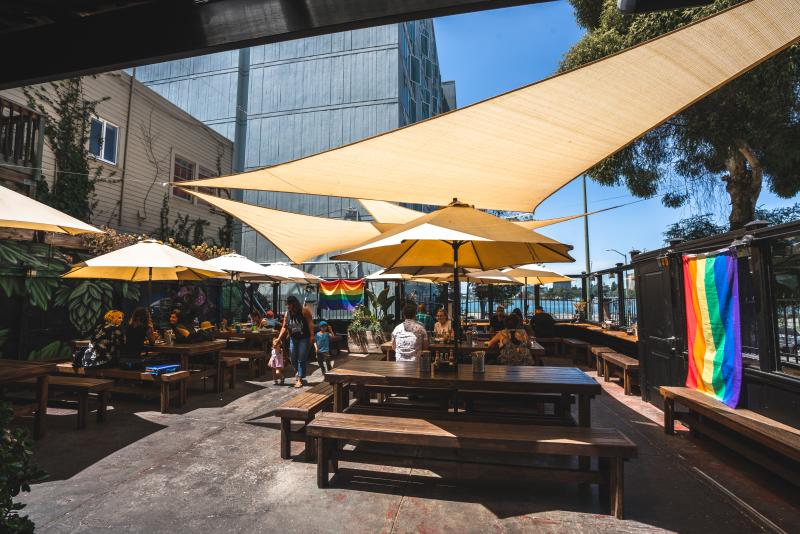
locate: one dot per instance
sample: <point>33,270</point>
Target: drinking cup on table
<point>479,362</point>
<point>424,361</point>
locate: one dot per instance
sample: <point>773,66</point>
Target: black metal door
<point>659,331</point>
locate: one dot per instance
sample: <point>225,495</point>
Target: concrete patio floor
<point>216,467</point>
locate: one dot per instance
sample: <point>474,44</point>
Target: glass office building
<point>306,96</point>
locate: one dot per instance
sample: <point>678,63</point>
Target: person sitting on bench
<point>104,345</point>
<point>139,331</point>
<point>542,323</point>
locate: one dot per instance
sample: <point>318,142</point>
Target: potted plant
<point>382,303</point>
<point>364,334</point>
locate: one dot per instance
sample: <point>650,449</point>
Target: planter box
<point>364,343</point>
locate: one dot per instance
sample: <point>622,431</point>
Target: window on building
<point>786,293</point>
<point>103,140</point>
<point>182,171</point>
<point>415,69</point>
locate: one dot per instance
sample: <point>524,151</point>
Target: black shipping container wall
<point>662,346</point>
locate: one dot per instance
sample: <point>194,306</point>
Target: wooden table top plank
<point>200,347</point>
<point>16,370</point>
<point>496,377</point>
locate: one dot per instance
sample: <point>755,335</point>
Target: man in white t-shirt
<point>409,338</point>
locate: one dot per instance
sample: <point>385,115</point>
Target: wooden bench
<point>228,366</point>
<point>627,365</point>
<point>173,385</point>
<point>554,342</point>
<point>256,359</point>
<point>577,349</point>
<point>302,407</point>
<point>608,444</point>
<point>82,387</point>
<point>508,402</point>
<point>596,351</point>
<point>765,441</point>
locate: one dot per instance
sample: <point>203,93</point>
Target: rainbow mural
<point>341,294</point>
<point>711,289</point>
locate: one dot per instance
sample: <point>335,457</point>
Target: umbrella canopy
<point>145,261</point>
<point>445,274</point>
<point>483,241</point>
<point>529,274</point>
<point>286,273</point>
<point>19,211</point>
<point>383,276</point>
<point>238,266</point>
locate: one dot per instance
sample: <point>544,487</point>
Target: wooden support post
<point>164,397</point>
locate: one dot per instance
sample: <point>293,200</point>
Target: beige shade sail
<point>300,237</point>
<point>513,151</point>
<point>19,211</point>
<point>145,261</point>
<point>487,242</point>
<point>541,223</point>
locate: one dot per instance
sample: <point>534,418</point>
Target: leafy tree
<point>743,135</point>
<point>67,120</point>
<point>695,227</point>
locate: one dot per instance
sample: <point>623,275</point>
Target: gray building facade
<point>307,96</point>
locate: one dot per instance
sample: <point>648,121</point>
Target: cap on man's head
<point>270,314</point>
<point>323,323</point>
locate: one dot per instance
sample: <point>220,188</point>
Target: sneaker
<point>298,384</point>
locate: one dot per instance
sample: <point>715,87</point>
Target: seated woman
<point>105,344</point>
<point>442,328</point>
<point>183,333</point>
<point>513,343</point>
<point>139,331</point>
<point>256,320</point>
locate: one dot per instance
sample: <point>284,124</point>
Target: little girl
<point>276,361</point>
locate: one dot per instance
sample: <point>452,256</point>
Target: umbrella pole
<point>230,304</point>
<point>456,299</point>
<point>150,289</point>
<point>525,299</point>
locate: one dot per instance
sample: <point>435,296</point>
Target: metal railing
<point>788,314</point>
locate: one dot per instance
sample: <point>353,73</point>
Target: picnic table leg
<point>338,397</point>
<point>604,467</point>
<point>322,462</point>
<point>626,381</point>
<point>617,487</point>
<point>599,363</point>
<point>669,416</point>
<point>102,406</point>
<point>83,409</point>
<point>164,397</point>
<point>184,362</point>
<point>286,442</point>
<point>40,428</point>
<point>606,378</point>
<point>584,420</point>
<point>333,458</point>
<point>310,444</point>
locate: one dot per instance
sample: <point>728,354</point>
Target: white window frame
<point>100,157</point>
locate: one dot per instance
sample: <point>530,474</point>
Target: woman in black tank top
<point>298,325</point>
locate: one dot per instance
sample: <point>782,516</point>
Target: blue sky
<point>494,51</point>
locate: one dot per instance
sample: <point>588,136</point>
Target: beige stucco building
<point>146,141</point>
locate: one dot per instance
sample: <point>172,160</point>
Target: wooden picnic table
<point>260,338</point>
<point>188,350</point>
<point>496,378</point>
<point>15,370</point>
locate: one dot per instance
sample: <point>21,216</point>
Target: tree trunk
<point>743,184</point>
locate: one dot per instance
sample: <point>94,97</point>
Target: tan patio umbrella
<point>145,261</point>
<point>19,211</point>
<point>241,268</point>
<point>531,275</point>
<point>458,236</point>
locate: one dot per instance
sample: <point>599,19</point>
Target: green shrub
<point>17,471</point>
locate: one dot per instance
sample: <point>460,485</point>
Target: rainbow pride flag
<point>341,294</point>
<point>711,289</point>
